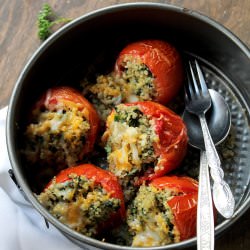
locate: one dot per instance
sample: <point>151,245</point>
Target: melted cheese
<point>124,141</point>
<point>147,238</point>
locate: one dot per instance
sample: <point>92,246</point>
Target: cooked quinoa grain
<point>107,92</point>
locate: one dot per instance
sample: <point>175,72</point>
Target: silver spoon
<point>219,123</point>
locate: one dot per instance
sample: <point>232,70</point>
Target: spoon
<point>218,120</point>
<point>219,123</point>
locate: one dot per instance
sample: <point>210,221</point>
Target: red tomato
<point>57,97</point>
<point>183,206</point>
<point>172,132</point>
<point>181,184</point>
<point>163,61</point>
<point>101,177</point>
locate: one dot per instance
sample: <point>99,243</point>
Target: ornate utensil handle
<point>222,195</point>
<point>205,216</point>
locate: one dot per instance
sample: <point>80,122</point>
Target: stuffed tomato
<point>149,70</point>
<point>152,69</point>
<point>163,212</point>
<point>144,139</point>
<point>62,129</point>
<point>86,198</point>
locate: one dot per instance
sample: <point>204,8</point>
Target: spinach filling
<point>139,77</point>
<point>131,117</point>
<point>149,210</point>
<point>56,137</point>
<point>79,203</point>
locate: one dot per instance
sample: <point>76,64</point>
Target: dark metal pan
<point>96,38</point>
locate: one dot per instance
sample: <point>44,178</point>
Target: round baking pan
<point>96,39</point>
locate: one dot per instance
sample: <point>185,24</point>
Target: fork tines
<point>195,80</point>
<point>197,97</point>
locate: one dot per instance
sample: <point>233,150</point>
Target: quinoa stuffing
<point>129,140</point>
<point>105,93</point>
<point>134,83</point>
<point>79,203</point>
<point>139,79</point>
<point>56,137</point>
<point>150,219</point>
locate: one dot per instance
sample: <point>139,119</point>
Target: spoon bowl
<point>218,119</point>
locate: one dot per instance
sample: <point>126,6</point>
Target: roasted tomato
<point>163,211</point>
<point>86,198</point>
<point>183,205</point>
<point>144,139</point>
<point>153,70</point>
<point>63,128</point>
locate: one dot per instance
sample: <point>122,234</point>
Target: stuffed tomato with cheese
<point>62,129</point>
<point>86,198</point>
<point>144,139</point>
<point>152,69</point>
<point>163,212</point>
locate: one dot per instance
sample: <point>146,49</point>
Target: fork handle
<point>213,158</point>
<point>222,195</point>
<point>205,216</point>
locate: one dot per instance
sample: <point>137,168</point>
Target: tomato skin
<point>184,207</point>
<point>57,97</point>
<point>181,184</point>
<point>172,133</point>
<point>101,177</point>
<point>164,62</point>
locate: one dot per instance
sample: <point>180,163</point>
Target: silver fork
<point>198,101</point>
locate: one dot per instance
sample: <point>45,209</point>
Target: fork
<point>198,101</point>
